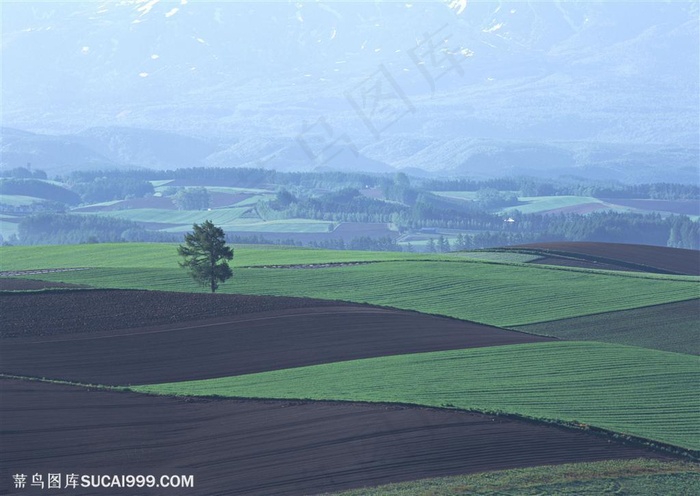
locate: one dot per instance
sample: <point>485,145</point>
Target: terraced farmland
<point>646,393</point>
<point>224,216</point>
<point>269,447</point>
<point>552,204</point>
<point>163,256</point>
<point>619,256</point>
<point>668,327</point>
<point>496,294</point>
<point>319,357</point>
<point>492,293</point>
<point>163,337</point>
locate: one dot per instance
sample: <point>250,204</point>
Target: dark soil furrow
<point>226,346</point>
<point>265,447</point>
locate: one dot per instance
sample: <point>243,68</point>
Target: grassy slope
<point>538,204</point>
<point>7,228</point>
<point>164,256</point>
<point>639,477</point>
<point>646,393</point>
<point>219,216</point>
<point>19,200</point>
<point>670,327</point>
<point>503,295</point>
<point>498,294</point>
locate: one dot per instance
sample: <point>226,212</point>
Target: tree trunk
<point>212,261</point>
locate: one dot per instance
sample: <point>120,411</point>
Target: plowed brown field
<point>619,256</point>
<point>13,284</point>
<point>238,447</point>
<point>236,344</point>
<point>68,312</point>
<point>263,447</point>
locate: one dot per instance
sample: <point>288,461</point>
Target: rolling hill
<point>323,395</point>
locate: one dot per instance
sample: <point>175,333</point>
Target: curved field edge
<point>633,391</point>
<point>666,327</point>
<point>629,256</point>
<point>280,447</point>
<point>164,255</point>
<point>504,295</point>
<point>155,338</point>
<point>642,477</point>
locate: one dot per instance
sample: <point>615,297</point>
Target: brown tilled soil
<point>263,447</point>
<point>61,313</point>
<point>620,256</point>
<point>582,264</point>
<point>13,284</point>
<point>101,353</point>
<point>682,207</point>
<point>666,327</point>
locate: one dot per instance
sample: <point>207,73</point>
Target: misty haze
<point>350,247</point>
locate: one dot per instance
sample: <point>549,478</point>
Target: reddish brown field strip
<point>243,344</point>
<point>61,313</point>
<point>620,256</point>
<point>682,207</point>
<point>264,447</point>
<point>666,327</point>
<point>12,284</point>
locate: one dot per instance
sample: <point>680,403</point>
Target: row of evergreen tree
<point>652,229</point>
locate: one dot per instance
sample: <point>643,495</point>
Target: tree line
<point>480,231</point>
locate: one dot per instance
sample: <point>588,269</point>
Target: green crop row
<point>538,204</point>
<point>222,216</point>
<point>498,294</point>
<point>634,391</point>
<point>164,255</point>
<point>495,293</point>
<point>669,327</point>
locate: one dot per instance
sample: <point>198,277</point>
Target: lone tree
<point>205,253</point>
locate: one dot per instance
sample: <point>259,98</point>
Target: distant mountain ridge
<point>600,87</point>
<point>109,148</point>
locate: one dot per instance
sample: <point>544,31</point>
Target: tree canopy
<point>205,255</point>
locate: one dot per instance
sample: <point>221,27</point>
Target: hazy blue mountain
<point>148,148</point>
<point>54,154</point>
<point>409,85</point>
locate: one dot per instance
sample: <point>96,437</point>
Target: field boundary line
<point>514,326</point>
<point>31,272</point>
<point>613,436</point>
<point>214,324</point>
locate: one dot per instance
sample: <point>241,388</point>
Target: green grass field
<point>538,204</point>
<point>625,389</point>
<point>102,204</point>
<point>253,200</point>
<point>496,256</point>
<point>501,294</point>
<point>224,216</point>
<point>8,228</point>
<point>164,256</point>
<point>281,226</point>
<point>671,327</point>
<point>234,190</point>
<point>635,391</point>
<point>19,200</point>
<point>640,477</point>
<point>458,195</point>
